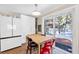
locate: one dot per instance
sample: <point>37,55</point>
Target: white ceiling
<point>27,8</point>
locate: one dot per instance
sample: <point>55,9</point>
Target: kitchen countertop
<point>10,37</point>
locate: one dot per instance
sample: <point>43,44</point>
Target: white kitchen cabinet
<point>10,43</point>
<point>5,26</point>
<point>28,26</point>
<point>17,26</point>
<point>31,25</point>
<point>9,27</point>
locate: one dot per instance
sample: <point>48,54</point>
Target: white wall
<point>76,30</point>
<point>28,26</point>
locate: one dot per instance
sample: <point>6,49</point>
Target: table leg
<point>39,48</point>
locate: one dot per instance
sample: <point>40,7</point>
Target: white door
<point>5,26</point>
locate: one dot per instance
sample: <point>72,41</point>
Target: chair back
<point>47,49</point>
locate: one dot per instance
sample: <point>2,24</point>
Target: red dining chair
<point>47,49</point>
<point>44,50</point>
<point>49,43</point>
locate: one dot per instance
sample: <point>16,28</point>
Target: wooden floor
<point>18,50</point>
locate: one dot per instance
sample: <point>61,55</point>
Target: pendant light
<point>36,12</point>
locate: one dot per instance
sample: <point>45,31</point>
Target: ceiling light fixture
<point>36,12</point>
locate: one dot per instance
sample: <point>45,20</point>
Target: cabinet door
<point>5,26</point>
<point>10,43</point>
<point>31,24</point>
<point>28,26</point>
<point>16,26</point>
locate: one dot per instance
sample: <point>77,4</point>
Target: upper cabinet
<point>5,26</point>
<point>16,26</point>
<point>10,26</point>
<point>28,25</point>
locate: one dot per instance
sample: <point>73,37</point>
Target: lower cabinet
<point>10,43</point>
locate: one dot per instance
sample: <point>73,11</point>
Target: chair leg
<point>30,50</point>
<point>27,50</point>
<point>51,51</point>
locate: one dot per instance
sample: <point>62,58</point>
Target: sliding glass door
<point>60,26</point>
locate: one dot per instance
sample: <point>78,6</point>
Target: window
<point>63,31</point>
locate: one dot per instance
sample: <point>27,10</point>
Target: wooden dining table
<point>37,38</point>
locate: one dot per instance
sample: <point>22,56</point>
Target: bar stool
<point>31,46</point>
